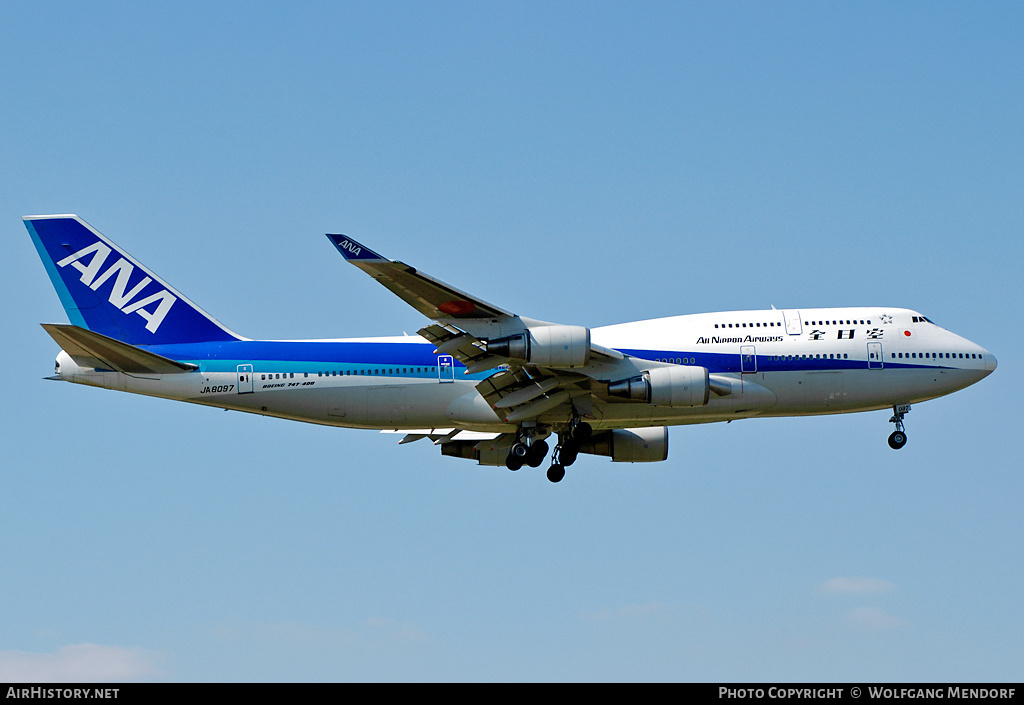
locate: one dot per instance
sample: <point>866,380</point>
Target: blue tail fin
<point>105,290</point>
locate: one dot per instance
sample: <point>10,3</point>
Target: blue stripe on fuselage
<point>308,356</point>
<point>326,351</point>
<point>730,362</point>
<point>328,355</point>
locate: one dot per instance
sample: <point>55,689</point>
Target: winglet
<point>352,250</point>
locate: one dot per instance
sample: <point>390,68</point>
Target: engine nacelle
<point>679,386</point>
<point>630,445</point>
<point>550,346</point>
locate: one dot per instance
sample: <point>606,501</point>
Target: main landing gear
<point>526,451</point>
<point>568,448</point>
<point>898,438</point>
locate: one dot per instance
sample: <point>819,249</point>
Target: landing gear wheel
<point>513,462</point>
<point>519,450</point>
<point>556,472</point>
<point>568,451</point>
<point>898,438</point>
<point>538,449</point>
<point>582,431</point>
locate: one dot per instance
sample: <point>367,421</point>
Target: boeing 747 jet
<point>487,384</point>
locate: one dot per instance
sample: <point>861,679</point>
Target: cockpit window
<point>922,319</point>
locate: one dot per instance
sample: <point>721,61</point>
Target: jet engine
<point>679,385</point>
<point>629,445</point>
<point>550,346</point>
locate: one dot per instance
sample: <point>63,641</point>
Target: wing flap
<point>537,407</point>
<point>441,435</point>
<point>91,349</point>
<point>463,347</point>
<point>518,394</point>
<point>527,393</point>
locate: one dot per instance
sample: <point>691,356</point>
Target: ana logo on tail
<point>351,247</point>
<point>120,296</point>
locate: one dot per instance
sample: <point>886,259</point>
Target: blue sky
<point>588,163</point>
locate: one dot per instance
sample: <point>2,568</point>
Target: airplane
<point>484,383</point>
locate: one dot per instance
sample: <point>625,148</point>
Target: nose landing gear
<point>898,438</point>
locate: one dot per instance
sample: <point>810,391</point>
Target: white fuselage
<point>779,363</point>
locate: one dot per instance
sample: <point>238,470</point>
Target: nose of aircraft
<point>990,361</point>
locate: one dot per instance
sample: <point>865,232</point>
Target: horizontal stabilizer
<point>91,349</point>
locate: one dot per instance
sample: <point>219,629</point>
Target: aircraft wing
<point>432,298</point>
<point>453,309</point>
<point>541,366</point>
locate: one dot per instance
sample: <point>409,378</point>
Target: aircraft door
<point>748,359</point>
<point>445,368</point>
<point>875,356</point>
<point>244,379</point>
<point>793,324</point>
